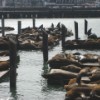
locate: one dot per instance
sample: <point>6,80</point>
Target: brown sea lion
<point>90,56</point>
<point>62,60</point>
<point>58,73</point>
<point>4,53</point>
<point>73,83</point>
<point>4,43</point>
<point>95,77</point>
<point>94,69</point>
<point>83,72</point>
<point>71,68</point>
<point>4,65</point>
<point>79,91</point>
<point>95,93</point>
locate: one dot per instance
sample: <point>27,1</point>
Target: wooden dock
<point>3,74</point>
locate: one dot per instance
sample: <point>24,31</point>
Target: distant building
<point>69,2</point>
<point>0,2</point>
<point>21,3</point>
<point>3,3</point>
<point>33,3</point>
<point>37,2</point>
<point>97,3</point>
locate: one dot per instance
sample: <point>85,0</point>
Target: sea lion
<point>58,73</point>
<point>4,43</point>
<point>4,65</point>
<point>71,68</point>
<point>95,77</point>
<point>83,72</point>
<point>4,53</point>
<point>92,36</point>
<point>79,91</point>
<point>95,93</point>
<point>63,60</point>
<point>89,32</point>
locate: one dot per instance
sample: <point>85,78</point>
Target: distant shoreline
<point>45,12</point>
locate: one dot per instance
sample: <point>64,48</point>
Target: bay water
<point>30,83</point>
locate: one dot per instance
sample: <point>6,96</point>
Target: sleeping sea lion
<point>71,68</point>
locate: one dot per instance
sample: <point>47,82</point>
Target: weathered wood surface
<point>3,73</point>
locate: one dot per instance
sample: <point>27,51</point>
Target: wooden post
<point>12,48</point>
<point>86,26</point>
<point>64,30</point>
<point>45,46</point>
<point>19,27</point>
<point>19,32</point>
<point>3,30</point>
<point>76,30</point>
<point>17,42</point>
<point>33,22</point>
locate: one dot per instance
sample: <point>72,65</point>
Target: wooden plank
<point>85,79</point>
<point>3,73</point>
<point>91,64</point>
<point>5,58</point>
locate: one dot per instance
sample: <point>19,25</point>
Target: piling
<point>33,22</point>
<point>64,30</point>
<point>85,26</point>
<point>19,32</point>
<point>2,23</point>
<point>13,55</point>
<point>45,45</point>
<point>76,30</point>
<point>19,27</point>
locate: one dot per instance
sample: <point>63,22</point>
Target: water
<point>30,84</point>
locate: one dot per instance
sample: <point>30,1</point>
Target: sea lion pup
<point>71,68</point>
